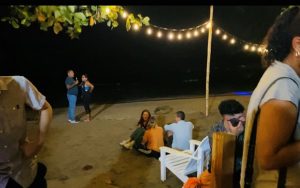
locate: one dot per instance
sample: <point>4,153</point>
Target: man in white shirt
<point>18,163</point>
<point>181,131</point>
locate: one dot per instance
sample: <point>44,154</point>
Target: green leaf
<point>77,28</point>
<point>109,23</point>
<point>80,16</point>
<point>57,27</point>
<point>15,24</point>
<point>94,8</point>
<point>128,25</point>
<point>140,16</point>
<point>23,22</point>
<point>115,24</point>
<point>44,26</point>
<point>146,20</point>
<point>57,14</point>
<point>85,23</point>
<point>50,21</point>
<point>71,8</point>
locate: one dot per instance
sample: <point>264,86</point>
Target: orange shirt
<point>154,138</point>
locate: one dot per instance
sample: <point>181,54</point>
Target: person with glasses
<point>233,122</point>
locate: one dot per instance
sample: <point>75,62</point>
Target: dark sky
<point>120,58</point>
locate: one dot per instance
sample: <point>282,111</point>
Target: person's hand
<point>236,130</point>
<point>76,82</point>
<point>30,149</point>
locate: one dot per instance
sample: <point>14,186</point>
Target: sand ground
<point>88,155</point>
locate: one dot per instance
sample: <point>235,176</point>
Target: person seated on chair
<point>233,122</point>
<point>153,139</point>
<point>180,132</point>
<point>137,136</point>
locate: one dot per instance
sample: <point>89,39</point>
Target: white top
<point>182,134</point>
<point>15,92</point>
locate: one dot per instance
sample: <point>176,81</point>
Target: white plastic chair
<point>183,163</point>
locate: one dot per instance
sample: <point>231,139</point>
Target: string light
<point>188,33</point>
<point>171,36</point>
<point>259,49</point>
<point>208,25</point>
<point>196,33</point>
<point>107,10</point>
<point>149,31</point>
<point>125,14</point>
<point>179,36</point>
<point>136,27</point>
<point>159,34</point>
<point>232,41</point>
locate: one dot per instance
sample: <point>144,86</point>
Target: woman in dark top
<point>136,137</point>
<point>86,88</point>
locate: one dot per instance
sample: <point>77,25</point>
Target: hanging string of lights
<point>196,32</point>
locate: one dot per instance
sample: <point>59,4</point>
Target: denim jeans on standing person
<point>72,106</point>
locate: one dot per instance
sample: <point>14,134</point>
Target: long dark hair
<point>143,123</point>
<point>279,37</point>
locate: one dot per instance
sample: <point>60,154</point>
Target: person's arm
<point>276,124</point>
<point>169,127</point>
<point>32,148</point>
<point>69,86</point>
<point>90,85</point>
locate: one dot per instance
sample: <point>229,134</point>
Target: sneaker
<point>73,121</point>
<point>144,151</point>
<point>129,145</point>
<point>69,120</point>
<point>124,142</point>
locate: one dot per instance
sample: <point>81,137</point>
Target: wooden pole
<point>208,59</point>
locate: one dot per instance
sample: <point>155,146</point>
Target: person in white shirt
<point>18,162</point>
<point>181,131</point>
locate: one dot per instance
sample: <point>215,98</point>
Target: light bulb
<point>159,34</point>
<point>218,31</point>
<point>149,31</point>
<point>125,14</point>
<point>224,37</point>
<point>170,36</point>
<point>232,41</point>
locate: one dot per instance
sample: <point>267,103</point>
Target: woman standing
<point>271,155</point>
<point>87,88</point>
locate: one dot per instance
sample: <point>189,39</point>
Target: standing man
<point>180,133</point>
<point>18,161</point>
<point>72,93</point>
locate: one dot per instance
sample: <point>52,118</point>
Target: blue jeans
<point>72,106</point>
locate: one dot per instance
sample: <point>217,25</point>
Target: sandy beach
<point>88,154</point>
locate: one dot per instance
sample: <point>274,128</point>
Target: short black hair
<point>230,107</point>
<point>180,114</point>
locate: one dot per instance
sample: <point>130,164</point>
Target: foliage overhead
<point>71,18</point>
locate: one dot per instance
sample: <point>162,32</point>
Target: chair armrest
<point>187,153</point>
<point>195,142</point>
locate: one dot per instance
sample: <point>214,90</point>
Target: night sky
<point>130,65</point>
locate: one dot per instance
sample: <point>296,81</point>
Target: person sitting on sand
<point>180,132</point>
<point>137,136</point>
<point>153,139</point>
